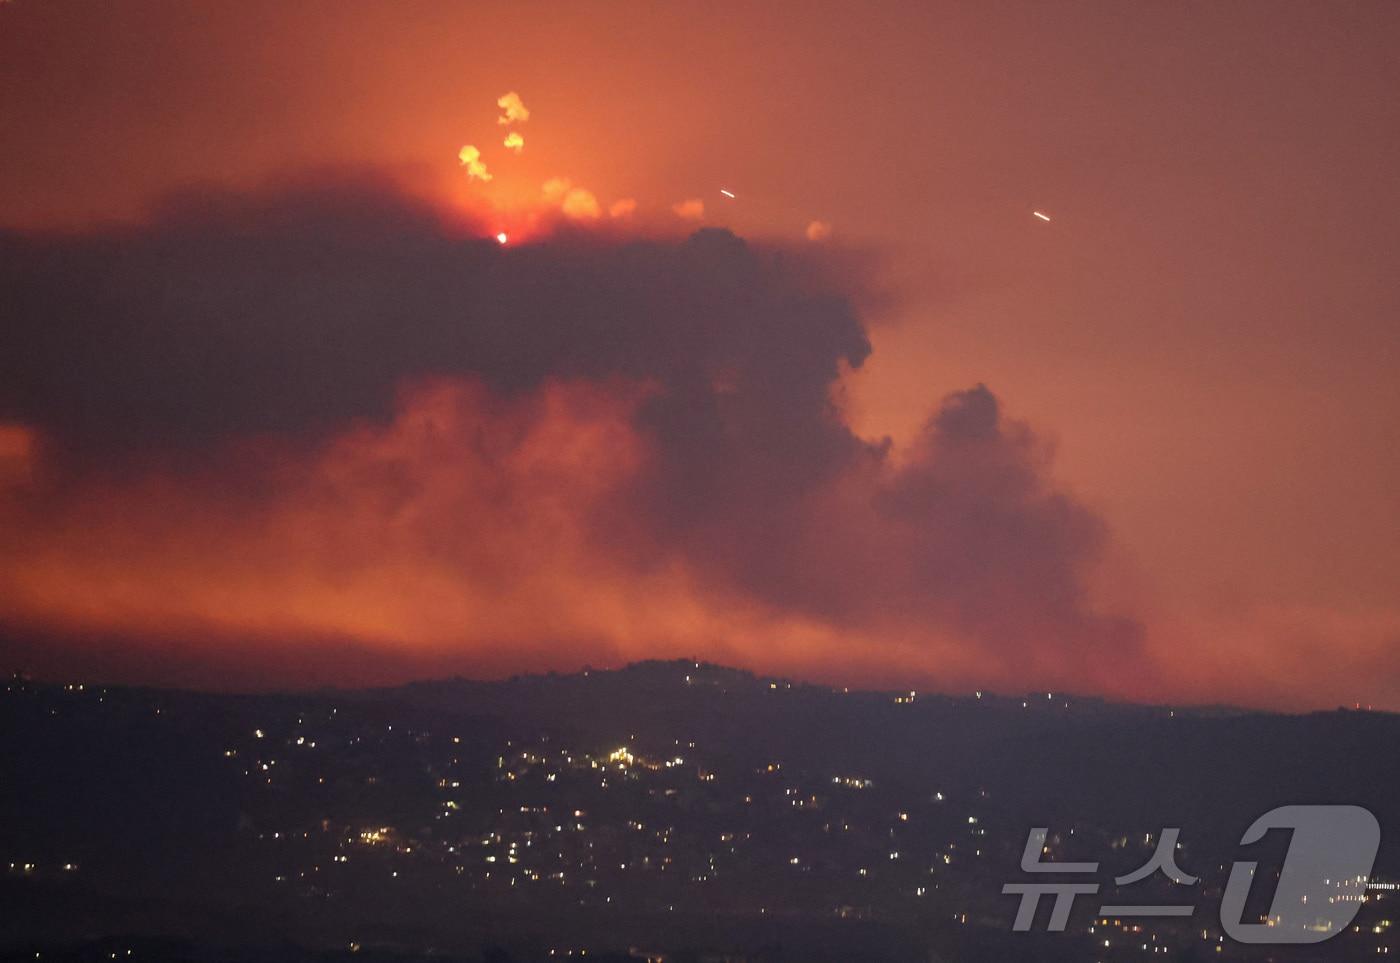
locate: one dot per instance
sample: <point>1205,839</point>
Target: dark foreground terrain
<point>667,811</point>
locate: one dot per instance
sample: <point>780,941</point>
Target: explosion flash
<point>514,142</point>
<point>470,158</point>
<point>513,109</point>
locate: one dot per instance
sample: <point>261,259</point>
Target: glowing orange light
<point>502,237</point>
<point>16,442</point>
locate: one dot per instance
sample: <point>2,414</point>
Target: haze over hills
<point>634,808</point>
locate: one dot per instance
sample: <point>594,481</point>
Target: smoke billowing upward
<point>322,413</point>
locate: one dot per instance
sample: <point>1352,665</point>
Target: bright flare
<point>1043,217</point>
<point>515,142</point>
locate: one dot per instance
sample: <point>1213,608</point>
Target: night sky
<point>1038,345</point>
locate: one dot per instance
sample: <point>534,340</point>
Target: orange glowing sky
<point>1206,329</point>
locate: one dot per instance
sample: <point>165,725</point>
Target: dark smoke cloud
<point>300,309</point>
<point>291,312</point>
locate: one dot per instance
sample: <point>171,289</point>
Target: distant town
<point>667,811</point>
